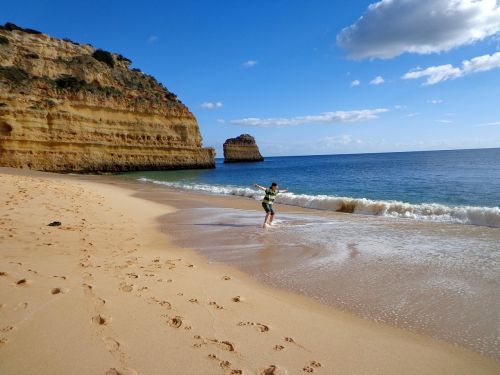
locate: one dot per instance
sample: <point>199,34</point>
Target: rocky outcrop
<point>241,149</point>
<point>67,107</point>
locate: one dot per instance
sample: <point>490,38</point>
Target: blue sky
<point>301,76</point>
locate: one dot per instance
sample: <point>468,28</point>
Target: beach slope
<point>105,293</point>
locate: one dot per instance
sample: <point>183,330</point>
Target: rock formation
<point>241,149</point>
<point>67,107</point>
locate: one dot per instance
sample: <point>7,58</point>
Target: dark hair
<point>274,184</point>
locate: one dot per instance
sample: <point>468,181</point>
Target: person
<point>267,202</point>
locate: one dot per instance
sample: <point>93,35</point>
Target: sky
<point>307,77</point>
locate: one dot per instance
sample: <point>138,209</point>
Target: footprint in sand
<point>56,291</point>
<point>6,329</point>
<point>124,287</point>
<point>273,370</point>
<point>175,322</point>
<point>226,278</point>
<point>124,371</point>
<point>88,289</point>
<point>193,300</point>
<point>221,344</point>
<point>225,365</point>
<point>214,304</point>
<point>167,305</point>
<point>100,320</point>
<point>236,299</point>
<point>261,327</point>
<point>23,282</point>
<point>3,273</point>
<point>312,365</point>
<point>279,348</point>
<point>21,305</point>
<point>111,344</point>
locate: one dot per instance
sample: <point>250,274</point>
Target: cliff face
<point>67,107</point>
<point>241,149</point>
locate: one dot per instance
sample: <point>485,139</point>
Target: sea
<point>458,186</point>
<point>409,239</point>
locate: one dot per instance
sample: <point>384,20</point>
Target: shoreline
<point>192,323</point>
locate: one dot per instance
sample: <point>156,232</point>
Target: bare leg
<point>271,218</point>
<point>265,220</point>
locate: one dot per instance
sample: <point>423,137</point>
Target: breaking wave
<point>483,216</point>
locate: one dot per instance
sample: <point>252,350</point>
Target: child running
<point>267,202</point>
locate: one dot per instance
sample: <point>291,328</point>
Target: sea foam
<point>473,215</point>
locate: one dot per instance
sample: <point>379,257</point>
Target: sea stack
<point>241,149</point>
<point>67,107</point>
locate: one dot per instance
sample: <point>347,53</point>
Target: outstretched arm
<point>284,191</point>
<point>259,187</point>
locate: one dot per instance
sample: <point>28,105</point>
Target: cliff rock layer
<point>67,107</point>
<point>241,149</point>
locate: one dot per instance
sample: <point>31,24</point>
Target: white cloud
<point>399,106</point>
<point>377,80</point>
<point>444,121</point>
<point>250,63</point>
<point>496,123</point>
<point>152,39</point>
<point>410,115</point>
<point>356,82</point>
<point>211,105</point>
<point>434,101</point>
<point>221,121</point>
<point>440,73</point>
<point>323,118</point>
<point>391,27</point>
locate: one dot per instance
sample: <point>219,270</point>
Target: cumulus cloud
<point>250,63</point>
<point>323,118</point>
<point>211,105</point>
<point>378,80</point>
<point>356,82</point>
<point>389,28</point>
<point>440,73</point>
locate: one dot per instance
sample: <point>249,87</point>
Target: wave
<point>473,215</point>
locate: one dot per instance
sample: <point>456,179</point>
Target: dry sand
<point>105,293</point>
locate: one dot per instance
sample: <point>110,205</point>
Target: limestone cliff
<point>67,107</point>
<point>241,149</point>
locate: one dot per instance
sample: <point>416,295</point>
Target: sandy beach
<point>106,292</point>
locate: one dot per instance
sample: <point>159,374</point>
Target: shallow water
<point>439,279</point>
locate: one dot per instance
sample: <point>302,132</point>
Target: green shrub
<point>71,83</point>
<point>10,27</point>
<point>108,91</point>
<point>123,58</point>
<point>104,56</point>
<point>3,40</point>
<point>70,41</point>
<point>13,74</point>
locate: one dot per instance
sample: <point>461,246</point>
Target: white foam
<point>483,216</point>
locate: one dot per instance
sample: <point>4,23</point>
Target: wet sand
<point>108,293</point>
